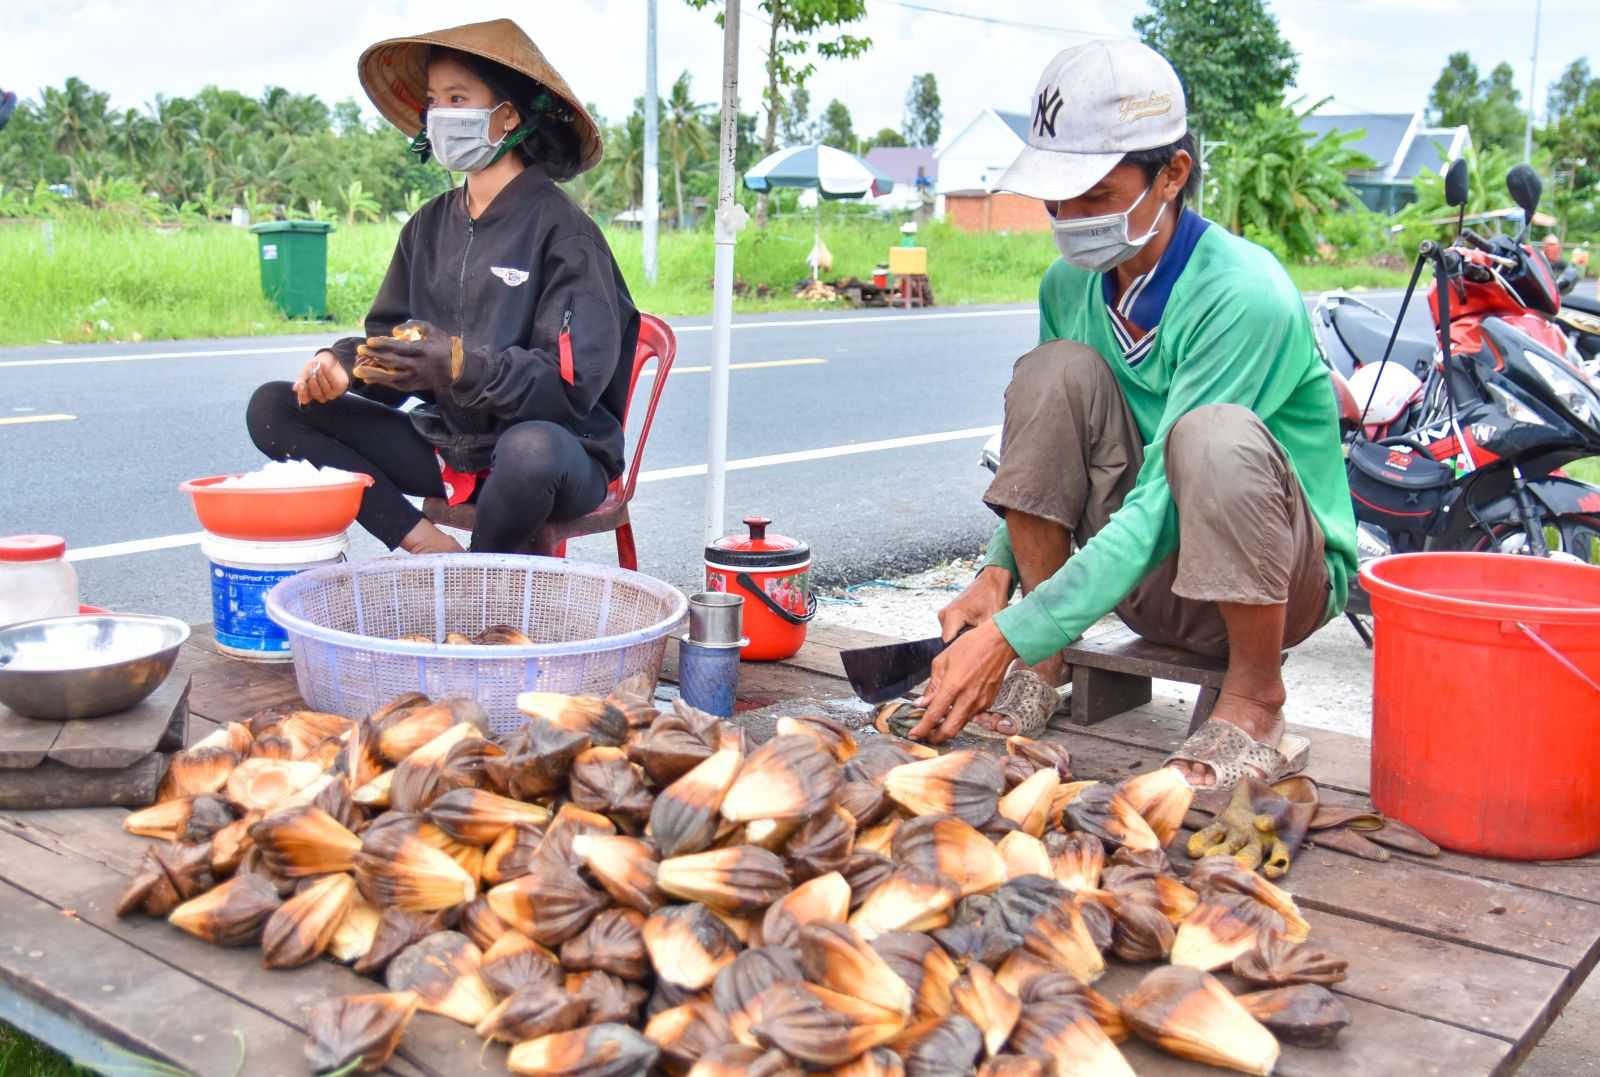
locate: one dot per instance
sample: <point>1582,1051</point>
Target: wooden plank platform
<point>1457,964</point>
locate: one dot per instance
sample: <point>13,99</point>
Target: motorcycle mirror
<point>1456,184</point>
<point>1524,186</point>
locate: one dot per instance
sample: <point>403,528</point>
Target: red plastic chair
<point>656,341</point>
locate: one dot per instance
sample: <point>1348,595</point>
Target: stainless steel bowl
<point>87,666</point>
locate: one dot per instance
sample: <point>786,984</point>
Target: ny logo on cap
<point>1046,111</point>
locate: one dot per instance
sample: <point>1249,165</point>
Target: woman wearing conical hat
<point>503,311</point>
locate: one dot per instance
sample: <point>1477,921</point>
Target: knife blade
<point>881,673</point>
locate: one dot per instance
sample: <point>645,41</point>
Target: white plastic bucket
<point>241,575</point>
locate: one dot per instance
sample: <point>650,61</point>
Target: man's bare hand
<point>984,597</point>
<point>322,380</point>
<point>966,678</point>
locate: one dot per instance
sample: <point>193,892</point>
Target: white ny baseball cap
<point>1094,103</point>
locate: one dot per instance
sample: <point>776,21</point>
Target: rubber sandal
<point>1028,700</point>
<point>1231,754</point>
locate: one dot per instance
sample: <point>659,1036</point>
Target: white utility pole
<point>652,143</point>
<point>1533,67</point>
<point>730,219</point>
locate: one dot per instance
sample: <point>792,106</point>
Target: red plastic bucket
<point>1486,701</point>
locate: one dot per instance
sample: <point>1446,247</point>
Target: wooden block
<point>55,785</point>
<point>1123,650</point>
<point>25,742</point>
<point>1203,706</point>
<point>121,740</point>
<point>1098,694</point>
<point>113,742</point>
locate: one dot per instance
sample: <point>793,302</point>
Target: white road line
<point>118,549</point>
<point>764,364</point>
<point>168,542</point>
<point>18,420</point>
<point>300,349</point>
<point>823,454</point>
<point>868,319</point>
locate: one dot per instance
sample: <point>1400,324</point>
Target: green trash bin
<point>294,265</point>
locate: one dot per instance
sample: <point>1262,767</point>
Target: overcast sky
<point>1370,55</point>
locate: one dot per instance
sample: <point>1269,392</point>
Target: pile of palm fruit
<point>616,890</point>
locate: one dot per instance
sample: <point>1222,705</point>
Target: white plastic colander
<point>592,626</point>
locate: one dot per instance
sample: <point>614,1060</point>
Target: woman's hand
<point>420,356</point>
<point>984,597</point>
<point>322,380</point>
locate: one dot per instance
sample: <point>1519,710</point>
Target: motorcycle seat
<point>1583,303</point>
<point>1366,335</point>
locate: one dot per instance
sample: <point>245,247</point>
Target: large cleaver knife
<point>881,673</point>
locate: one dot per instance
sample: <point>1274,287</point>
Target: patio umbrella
<point>834,173</point>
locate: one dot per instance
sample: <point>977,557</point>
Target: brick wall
<point>1000,211</point>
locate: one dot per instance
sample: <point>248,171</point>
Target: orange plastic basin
<point>275,514</point>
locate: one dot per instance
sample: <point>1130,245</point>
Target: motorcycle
<point>1457,442</point>
<point>1580,317</point>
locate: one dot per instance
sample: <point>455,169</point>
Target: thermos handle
<point>793,618</point>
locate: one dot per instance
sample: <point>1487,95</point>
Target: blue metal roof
<point>1019,122</point>
<point>1428,150</point>
<point>1385,132</point>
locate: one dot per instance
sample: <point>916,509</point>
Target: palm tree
<point>133,138</point>
<point>76,117</point>
<point>287,113</point>
<point>684,132</point>
<point>624,162</point>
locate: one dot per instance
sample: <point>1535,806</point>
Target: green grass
<point>1322,278</point>
<point>102,278</point>
<point>1585,470</point>
<point>21,1056</point>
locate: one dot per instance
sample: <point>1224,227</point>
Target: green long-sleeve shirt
<point>1234,331</point>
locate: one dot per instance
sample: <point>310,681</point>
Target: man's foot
<point>1000,725</point>
<point>1260,720</point>
<point>1023,706</point>
<point>426,537</point>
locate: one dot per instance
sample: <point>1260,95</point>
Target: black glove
<point>431,361</point>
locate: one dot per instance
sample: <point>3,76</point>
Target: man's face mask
<point>459,138</point>
<point>1100,244</point>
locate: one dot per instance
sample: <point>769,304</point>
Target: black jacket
<point>506,283</point>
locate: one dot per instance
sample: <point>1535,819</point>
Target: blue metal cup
<point>708,677</point>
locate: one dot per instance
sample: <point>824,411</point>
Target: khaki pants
<point>1071,452</point>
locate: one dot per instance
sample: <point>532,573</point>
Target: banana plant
<point>1430,217</point>
<point>1273,177</point>
<point>358,204</point>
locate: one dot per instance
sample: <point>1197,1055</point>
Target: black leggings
<point>540,469</point>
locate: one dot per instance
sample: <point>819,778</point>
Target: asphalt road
<point>875,417</point>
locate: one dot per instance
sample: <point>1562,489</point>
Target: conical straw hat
<point>395,75</point>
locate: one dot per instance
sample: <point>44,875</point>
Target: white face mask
<point>1100,244</point>
<point>459,138</point>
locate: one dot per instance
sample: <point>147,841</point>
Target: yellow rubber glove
<point>1234,832</point>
